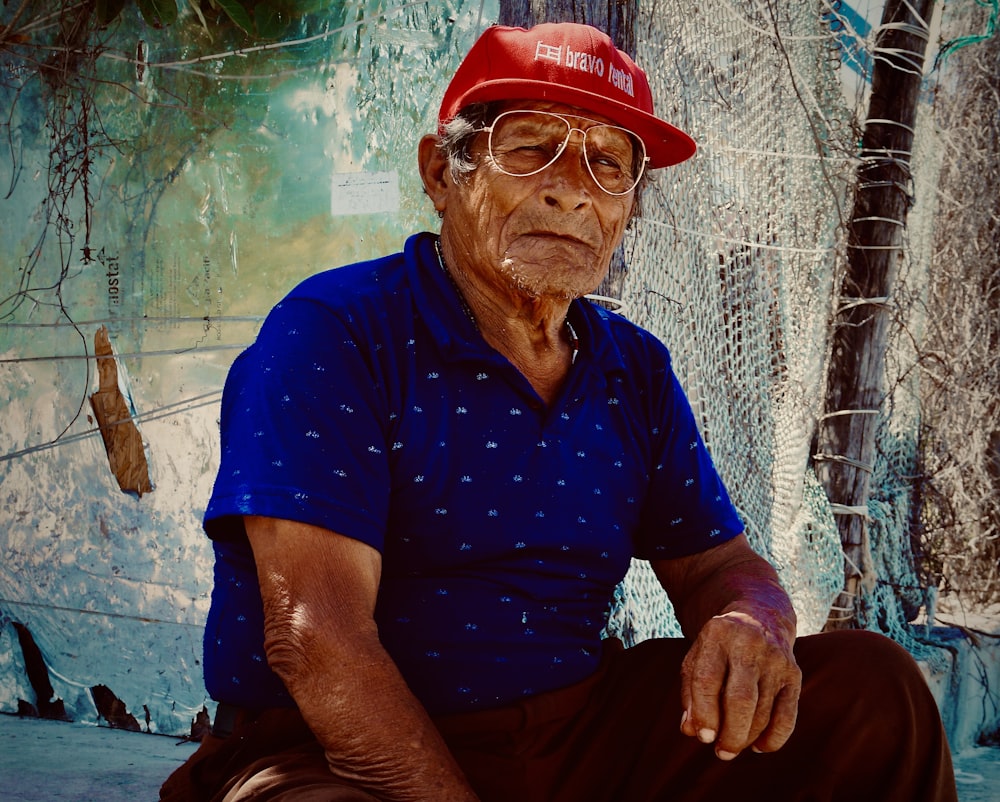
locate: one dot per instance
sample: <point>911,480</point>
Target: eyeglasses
<point>523,143</point>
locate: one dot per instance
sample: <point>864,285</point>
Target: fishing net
<point>733,262</point>
<point>736,265</point>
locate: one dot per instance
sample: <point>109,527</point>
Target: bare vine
<point>960,448</point>
<point>54,55</point>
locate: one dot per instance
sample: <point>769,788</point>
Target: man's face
<point>545,236</point>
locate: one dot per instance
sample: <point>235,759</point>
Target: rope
<point>861,466</point>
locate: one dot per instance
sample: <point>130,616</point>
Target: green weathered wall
<point>174,202</point>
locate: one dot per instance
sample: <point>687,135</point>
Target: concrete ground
<point>52,760</point>
<point>977,774</point>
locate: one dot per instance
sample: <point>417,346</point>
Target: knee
<point>865,700</point>
<point>868,673</point>
<point>858,653</point>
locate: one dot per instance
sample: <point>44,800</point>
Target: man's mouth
<point>557,235</point>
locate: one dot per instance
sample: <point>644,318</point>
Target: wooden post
<point>617,18</point>
<point>855,381</point>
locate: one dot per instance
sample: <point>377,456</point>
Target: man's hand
<point>740,683</point>
<point>739,687</point>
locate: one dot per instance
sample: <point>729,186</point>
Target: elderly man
<point>437,466</point>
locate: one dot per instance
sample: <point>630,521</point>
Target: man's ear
<point>434,171</point>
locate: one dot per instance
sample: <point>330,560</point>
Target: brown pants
<point>868,729</point>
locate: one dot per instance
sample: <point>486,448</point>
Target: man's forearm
<point>733,580</point>
<point>319,591</point>
<point>750,588</point>
<point>374,731</point>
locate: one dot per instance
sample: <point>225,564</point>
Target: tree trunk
<point>617,18</point>
<point>855,383</point>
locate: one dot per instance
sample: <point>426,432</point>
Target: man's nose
<point>568,181</point>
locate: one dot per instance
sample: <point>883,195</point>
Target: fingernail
<point>722,754</point>
<point>684,718</point>
<point>757,750</point>
<point>706,736</point>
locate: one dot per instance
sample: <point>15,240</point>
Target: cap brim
<point>666,144</point>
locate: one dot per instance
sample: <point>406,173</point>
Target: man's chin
<point>557,283</point>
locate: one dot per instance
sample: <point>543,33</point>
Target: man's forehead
<point>557,108</point>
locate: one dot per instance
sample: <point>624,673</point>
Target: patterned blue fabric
<point>371,405</point>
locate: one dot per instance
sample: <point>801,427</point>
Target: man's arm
<point>319,590</point>
<point>740,683</point>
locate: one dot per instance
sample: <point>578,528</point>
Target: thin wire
<point>243,51</point>
<point>841,412</point>
<point>846,509</point>
<point>479,19</point>
<point>143,319</point>
<point>737,241</point>
<point>963,41</point>
<point>62,609</point>
<point>164,411</point>
<point>199,349</point>
<point>841,459</point>
<point>883,121</point>
<point>777,154</point>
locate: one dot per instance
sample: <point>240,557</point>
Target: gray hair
<point>458,134</point>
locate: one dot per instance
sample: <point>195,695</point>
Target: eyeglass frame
<point>642,162</point>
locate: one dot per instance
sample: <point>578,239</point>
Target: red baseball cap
<point>565,62</point>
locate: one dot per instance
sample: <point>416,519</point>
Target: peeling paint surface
<point>214,201</point>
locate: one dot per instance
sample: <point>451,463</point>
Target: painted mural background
<point>192,181</point>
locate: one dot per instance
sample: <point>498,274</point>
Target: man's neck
<point>532,333</point>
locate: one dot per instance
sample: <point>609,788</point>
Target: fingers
<point>742,709</point>
<point>782,722</point>
<point>739,689</point>
<point>702,677</point>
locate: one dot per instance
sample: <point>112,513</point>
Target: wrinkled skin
<point>740,683</point>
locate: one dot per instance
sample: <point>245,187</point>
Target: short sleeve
<point>687,508</point>
<point>303,430</point>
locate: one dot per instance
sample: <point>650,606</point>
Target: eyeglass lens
<point>526,142</point>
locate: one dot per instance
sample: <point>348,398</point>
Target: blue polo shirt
<point>371,405</point>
